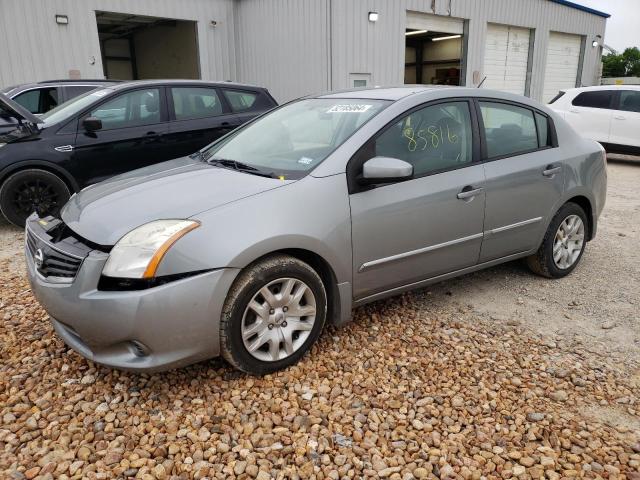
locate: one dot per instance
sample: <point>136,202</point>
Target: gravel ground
<point>494,375</point>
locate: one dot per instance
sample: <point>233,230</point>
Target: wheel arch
<point>326,273</point>
<point>584,203</point>
<point>50,167</point>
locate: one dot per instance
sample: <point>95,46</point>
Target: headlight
<point>2,144</point>
<point>139,252</point>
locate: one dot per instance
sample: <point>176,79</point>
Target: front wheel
<point>563,244</point>
<point>32,190</point>
<point>273,313</point>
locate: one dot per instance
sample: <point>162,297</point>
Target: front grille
<point>53,258</point>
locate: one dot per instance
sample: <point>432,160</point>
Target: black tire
<point>248,283</point>
<point>542,261</point>
<point>32,190</point>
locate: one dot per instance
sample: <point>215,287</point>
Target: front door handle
<point>619,117</point>
<point>574,110</point>
<point>469,192</point>
<point>551,170</point>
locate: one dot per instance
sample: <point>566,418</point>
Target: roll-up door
<point>506,58</point>
<point>563,63</point>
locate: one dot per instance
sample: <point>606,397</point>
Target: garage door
<point>434,23</point>
<point>506,58</point>
<point>563,63</point>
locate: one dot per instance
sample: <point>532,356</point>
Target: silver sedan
<point>249,247</point>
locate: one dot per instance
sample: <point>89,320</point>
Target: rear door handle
<point>574,110</point>
<point>550,171</point>
<point>469,192</point>
<point>619,117</point>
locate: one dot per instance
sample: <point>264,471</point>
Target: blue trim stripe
<point>577,6</point>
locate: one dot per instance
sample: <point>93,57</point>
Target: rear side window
<point>630,101</point>
<point>195,102</point>
<point>542,124</point>
<point>509,129</point>
<point>38,101</point>
<point>240,100</point>
<point>432,139</point>
<point>597,99</point>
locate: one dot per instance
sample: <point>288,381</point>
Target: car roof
<point>602,87</point>
<point>382,93</point>
<point>161,82</point>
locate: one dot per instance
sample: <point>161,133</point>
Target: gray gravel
<point>498,374</point>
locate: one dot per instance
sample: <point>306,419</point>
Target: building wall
<point>35,47</point>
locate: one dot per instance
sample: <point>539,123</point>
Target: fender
<point>45,165</point>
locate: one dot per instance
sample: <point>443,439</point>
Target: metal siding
<point>294,47</point>
<point>35,47</point>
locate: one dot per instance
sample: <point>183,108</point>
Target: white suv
<point>609,114</point>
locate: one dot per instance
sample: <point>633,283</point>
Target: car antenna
<point>480,84</point>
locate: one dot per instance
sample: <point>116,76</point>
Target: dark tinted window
<point>542,123</point>
<point>630,100</point>
<point>74,91</point>
<point>597,99</point>
<point>433,138</point>
<point>195,102</point>
<point>139,107</point>
<point>39,100</point>
<point>240,100</point>
<point>509,129</point>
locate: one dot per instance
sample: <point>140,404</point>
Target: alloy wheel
<point>278,319</point>
<point>568,242</point>
<point>35,195</point>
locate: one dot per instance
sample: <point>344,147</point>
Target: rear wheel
<point>273,314</point>
<point>563,244</point>
<point>32,190</point>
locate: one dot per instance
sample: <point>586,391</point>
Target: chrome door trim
<point>513,225</point>
<point>399,256</point>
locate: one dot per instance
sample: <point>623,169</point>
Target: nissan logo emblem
<point>39,258</point>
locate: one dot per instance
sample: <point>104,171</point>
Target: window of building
<point>509,129</point>
<point>595,99</point>
<point>432,139</point>
<point>139,107</point>
<point>195,102</point>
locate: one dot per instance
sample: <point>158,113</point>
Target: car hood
<point>181,188</point>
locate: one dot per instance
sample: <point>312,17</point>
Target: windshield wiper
<point>241,167</point>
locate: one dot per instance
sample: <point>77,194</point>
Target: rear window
<point>244,100</point>
<point>39,100</point>
<point>598,99</point>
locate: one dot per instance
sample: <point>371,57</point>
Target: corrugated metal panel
<point>34,46</point>
<point>283,45</point>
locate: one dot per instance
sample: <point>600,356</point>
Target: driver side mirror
<point>385,170</point>
<point>91,124</point>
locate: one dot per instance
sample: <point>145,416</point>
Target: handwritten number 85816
<point>432,135</point>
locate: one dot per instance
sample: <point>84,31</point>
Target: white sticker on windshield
<point>354,108</point>
<point>305,160</point>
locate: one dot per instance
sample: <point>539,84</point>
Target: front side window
<point>38,101</point>
<point>240,100</point>
<point>630,101</point>
<point>297,137</point>
<point>509,129</point>
<point>195,102</point>
<point>432,139</point>
<point>131,109</point>
<point>596,99</point>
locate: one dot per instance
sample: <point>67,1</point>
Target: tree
<point>625,64</point>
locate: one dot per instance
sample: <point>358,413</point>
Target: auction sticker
<point>353,108</point>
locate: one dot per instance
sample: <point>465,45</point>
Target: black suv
<point>112,130</point>
<point>40,97</point>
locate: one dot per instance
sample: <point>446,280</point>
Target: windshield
<point>297,137</point>
<point>73,106</point>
